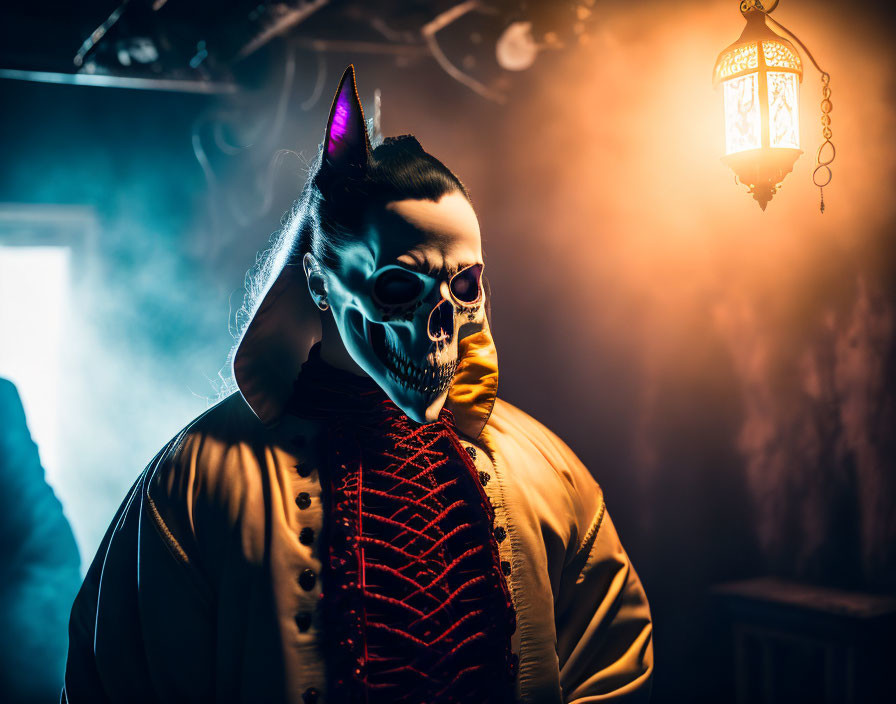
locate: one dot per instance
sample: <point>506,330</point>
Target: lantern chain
<point>822,174</point>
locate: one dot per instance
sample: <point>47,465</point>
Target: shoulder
<point>204,471</point>
<point>229,421</point>
<point>8,393</point>
<point>513,422</point>
<point>11,411</point>
<point>511,425</point>
<point>536,455</point>
<point>19,460</point>
<point>227,425</point>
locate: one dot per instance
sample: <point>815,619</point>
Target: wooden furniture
<point>794,642</point>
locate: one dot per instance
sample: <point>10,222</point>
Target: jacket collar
<point>285,326</point>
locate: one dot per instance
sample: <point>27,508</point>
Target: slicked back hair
<point>337,204</point>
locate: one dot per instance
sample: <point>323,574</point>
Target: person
<point>40,568</point>
<point>364,521</point>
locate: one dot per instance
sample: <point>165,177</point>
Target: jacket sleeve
<point>141,613</point>
<point>604,630</point>
<point>83,682</point>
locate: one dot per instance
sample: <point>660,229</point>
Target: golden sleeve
<point>604,630</point>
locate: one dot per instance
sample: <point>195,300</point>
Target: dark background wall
<point>727,374</point>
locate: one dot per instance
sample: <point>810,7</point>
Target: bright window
<point>34,295</point>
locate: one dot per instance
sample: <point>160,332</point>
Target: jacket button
<point>505,567</point>
<point>306,536</point>
<point>307,580</point>
<point>309,696</point>
<point>471,451</point>
<point>484,477</point>
<point>500,533</point>
<point>303,469</point>
<point>303,621</point>
<point>303,500</point>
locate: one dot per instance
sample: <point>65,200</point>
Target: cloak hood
<point>286,324</point>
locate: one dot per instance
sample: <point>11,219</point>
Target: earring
<point>322,304</point>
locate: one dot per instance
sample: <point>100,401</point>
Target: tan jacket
<point>202,591</point>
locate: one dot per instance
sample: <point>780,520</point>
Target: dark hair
<point>332,206</point>
<point>336,204</point>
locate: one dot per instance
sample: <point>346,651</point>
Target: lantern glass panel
<point>783,110</point>
<point>743,120</point>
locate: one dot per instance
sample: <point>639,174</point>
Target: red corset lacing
<point>417,609</point>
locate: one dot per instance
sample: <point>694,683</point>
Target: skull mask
<point>408,284</point>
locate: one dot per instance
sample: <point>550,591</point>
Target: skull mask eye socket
<point>466,286</point>
<point>397,286</point>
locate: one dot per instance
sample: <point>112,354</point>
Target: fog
<point>725,373</point>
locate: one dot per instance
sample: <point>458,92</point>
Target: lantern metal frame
<point>760,50</point>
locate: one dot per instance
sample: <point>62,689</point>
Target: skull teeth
<point>429,379</point>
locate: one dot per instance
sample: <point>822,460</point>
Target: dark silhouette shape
<point>39,568</point>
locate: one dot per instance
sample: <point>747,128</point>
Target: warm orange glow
<point>743,120</point>
<point>783,110</point>
<point>674,308</point>
<point>760,75</point>
<point>613,200</point>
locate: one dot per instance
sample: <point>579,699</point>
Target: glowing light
<point>340,123</point>
<point>777,54</point>
<point>34,293</point>
<point>783,110</point>
<point>737,61</point>
<point>516,49</point>
<point>761,106</point>
<point>742,120</point>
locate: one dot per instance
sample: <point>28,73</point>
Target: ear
<point>317,282</point>
<point>346,145</point>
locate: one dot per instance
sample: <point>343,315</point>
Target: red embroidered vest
<point>416,608</point>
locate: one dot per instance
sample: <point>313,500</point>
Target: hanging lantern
<point>760,75</point>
